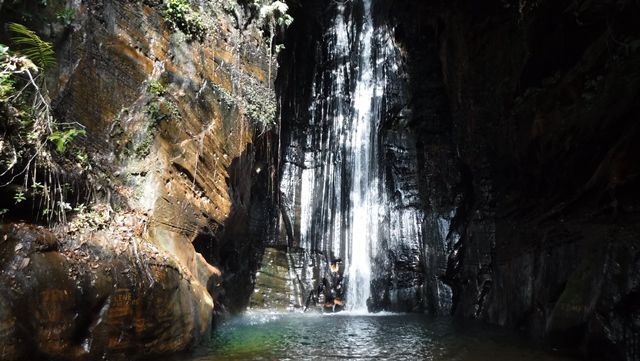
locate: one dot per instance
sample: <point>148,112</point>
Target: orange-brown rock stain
<point>181,182</point>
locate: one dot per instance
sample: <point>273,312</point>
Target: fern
<point>34,48</point>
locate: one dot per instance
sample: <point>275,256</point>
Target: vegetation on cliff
<point>44,164</point>
<point>124,147</point>
<point>180,15</point>
<point>35,147</point>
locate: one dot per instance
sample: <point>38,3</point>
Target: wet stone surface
<point>83,301</point>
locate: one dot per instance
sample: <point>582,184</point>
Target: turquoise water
<point>359,337</point>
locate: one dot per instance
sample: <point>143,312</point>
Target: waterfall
<point>332,168</point>
<point>355,118</point>
<point>350,176</point>
<point>363,158</point>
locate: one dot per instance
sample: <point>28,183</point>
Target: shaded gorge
<point>321,179</point>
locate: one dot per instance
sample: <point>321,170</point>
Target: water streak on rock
<point>342,191</point>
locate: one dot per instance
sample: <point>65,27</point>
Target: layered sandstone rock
<point>99,298</point>
<point>166,114</point>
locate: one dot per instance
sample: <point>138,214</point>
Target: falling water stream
<point>340,193</point>
<point>364,195</point>
<point>339,190</point>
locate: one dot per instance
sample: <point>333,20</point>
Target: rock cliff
<point>175,99</point>
<point>542,98</point>
<point>507,135</point>
<point>513,123</point>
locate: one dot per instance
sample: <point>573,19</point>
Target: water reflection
<point>359,337</point>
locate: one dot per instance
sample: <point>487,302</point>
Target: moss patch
<point>180,16</point>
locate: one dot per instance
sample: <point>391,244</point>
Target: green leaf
<point>6,87</point>
<point>34,48</point>
<point>66,16</point>
<point>19,197</point>
<point>62,138</point>
<point>4,51</point>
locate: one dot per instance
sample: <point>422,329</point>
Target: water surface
<point>264,336</point>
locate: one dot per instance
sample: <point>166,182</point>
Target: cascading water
<point>340,194</point>
<point>338,199</point>
<point>363,158</point>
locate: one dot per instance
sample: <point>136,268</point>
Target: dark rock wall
<point>538,163</point>
<point>520,117</point>
<point>415,135</point>
<point>237,249</point>
<point>299,63</point>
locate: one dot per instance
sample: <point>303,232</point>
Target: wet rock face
<point>404,276</point>
<point>274,283</point>
<point>535,170</point>
<point>510,126</point>
<point>414,132</point>
<point>295,279</point>
<point>92,300</point>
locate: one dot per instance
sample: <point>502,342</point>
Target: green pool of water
<point>265,336</point>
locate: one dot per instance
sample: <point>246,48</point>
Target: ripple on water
<point>341,336</point>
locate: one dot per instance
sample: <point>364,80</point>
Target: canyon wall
<point>511,126</point>
<point>176,99</point>
<point>540,165</point>
<point>507,135</point>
